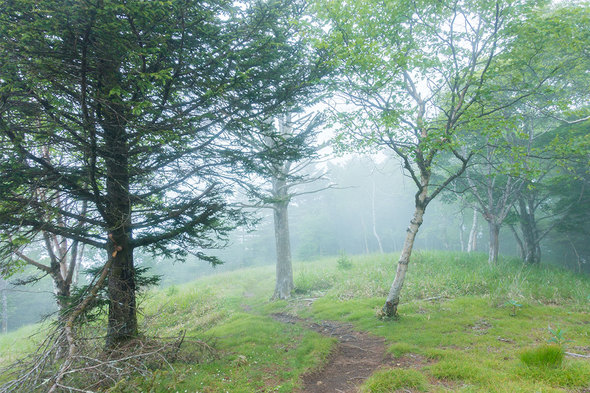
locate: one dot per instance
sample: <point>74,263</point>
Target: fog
<point>369,202</point>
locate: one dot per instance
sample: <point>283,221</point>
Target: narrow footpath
<point>356,356</point>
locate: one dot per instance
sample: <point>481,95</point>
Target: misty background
<point>364,206</point>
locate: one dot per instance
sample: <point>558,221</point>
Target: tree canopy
<point>140,105</point>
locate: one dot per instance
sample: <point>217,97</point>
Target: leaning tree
<point>143,103</point>
<point>416,77</point>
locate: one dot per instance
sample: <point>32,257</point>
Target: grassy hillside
<point>464,327</point>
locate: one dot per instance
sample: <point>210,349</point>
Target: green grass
<point>456,324</point>
<point>385,381</point>
<point>20,342</point>
<point>543,356</point>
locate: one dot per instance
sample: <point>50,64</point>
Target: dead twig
<point>577,355</point>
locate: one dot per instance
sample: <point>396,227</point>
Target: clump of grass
<point>571,374</point>
<point>401,348</point>
<point>386,381</point>
<point>343,262</point>
<point>457,369</point>
<point>543,356</point>
<point>307,281</point>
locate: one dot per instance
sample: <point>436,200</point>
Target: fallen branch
<point>69,326</point>
<point>577,355</point>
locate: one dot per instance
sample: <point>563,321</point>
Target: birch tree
<point>4,301</point>
<point>64,255</point>
<point>415,76</point>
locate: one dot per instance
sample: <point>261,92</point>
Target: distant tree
<point>493,182</point>
<point>472,239</point>
<point>556,40</point>
<point>416,76</point>
<point>281,178</point>
<point>565,197</point>
<point>3,290</point>
<point>64,255</point>
<point>144,103</point>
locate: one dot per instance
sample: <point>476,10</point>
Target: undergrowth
<point>455,326</point>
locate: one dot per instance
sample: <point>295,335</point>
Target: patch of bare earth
<point>356,356</point>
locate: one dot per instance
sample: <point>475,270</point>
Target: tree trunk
<point>284,270</point>
<point>392,301</point>
<point>122,319</point>
<point>461,231</point>
<point>366,241</point>
<point>3,289</point>
<point>375,221</point>
<point>530,234</point>
<point>519,244</point>
<point>494,242</point>
<point>62,294</point>
<point>472,242</point>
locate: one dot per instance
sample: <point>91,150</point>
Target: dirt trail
<point>356,356</point>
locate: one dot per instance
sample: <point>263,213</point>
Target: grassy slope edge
<point>456,332</point>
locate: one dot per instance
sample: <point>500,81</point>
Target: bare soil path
<point>356,356</point>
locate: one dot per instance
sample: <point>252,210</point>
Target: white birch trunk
<point>461,232</point>
<point>472,242</point>
<point>392,301</point>
<point>374,220</point>
<point>365,240</point>
<point>3,288</point>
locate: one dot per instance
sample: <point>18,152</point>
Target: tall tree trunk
<point>284,270</point>
<point>472,242</point>
<point>374,220</point>
<point>530,234</point>
<point>461,231</point>
<point>494,242</point>
<point>76,271</point>
<point>578,259</point>
<point>122,319</point>
<point>62,294</point>
<point>519,244</point>
<point>3,289</point>
<point>366,241</point>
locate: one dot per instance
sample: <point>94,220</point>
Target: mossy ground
<point>455,332</point>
